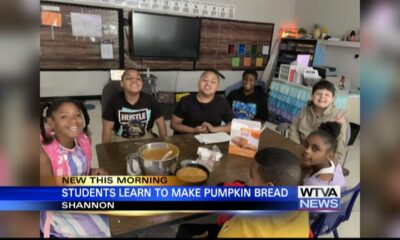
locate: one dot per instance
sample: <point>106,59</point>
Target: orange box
<point>245,137</point>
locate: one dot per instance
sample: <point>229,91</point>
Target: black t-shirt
<point>194,113</point>
<point>252,107</point>
<point>132,120</point>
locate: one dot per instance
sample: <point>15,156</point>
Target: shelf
<point>295,51</point>
<point>339,43</point>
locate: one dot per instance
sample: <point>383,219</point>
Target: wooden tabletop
<point>111,156</point>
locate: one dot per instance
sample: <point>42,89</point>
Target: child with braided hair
<point>66,151</point>
<point>318,157</point>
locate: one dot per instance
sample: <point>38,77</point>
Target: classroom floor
<point>351,228</point>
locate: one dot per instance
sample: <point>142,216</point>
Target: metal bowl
<point>158,167</point>
<point>191,163</point>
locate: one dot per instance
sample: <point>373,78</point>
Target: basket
<point>310,81</point>
<point>311,77</point>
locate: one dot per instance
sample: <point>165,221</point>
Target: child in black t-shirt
<point>249,102</point>
<point>203,112</point>
<point>132,113</point>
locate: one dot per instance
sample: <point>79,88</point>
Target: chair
<point>113,87</point>
<point>352,131</point>
<point>109,90</point>
<point>329,222</point>
<point>283,128</point>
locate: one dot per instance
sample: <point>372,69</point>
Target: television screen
<point>165,36</point>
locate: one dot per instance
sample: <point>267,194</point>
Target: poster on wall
<point>242,49</point>
<point>176,6</point>
<point>214,10</point>
<point>205,9</point>
<point>247,62</point>
<point>106,51</point>
<point>166,5</point>
<point>231,11</point>
<point>86,25</point>
<point>52,19</point>
<point>186,6</point>
<point>235,61</point>
<point>259,61</point>
<point>265,50</point>
<point>108,2</point>
<point>144,4</point>
<point>196,8</point>
<point>132,3</point>
<point>223,11</point>
<point>120,3</point>
<point>155,5</point>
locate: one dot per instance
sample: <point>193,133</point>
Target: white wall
<point>343,59</point>
<point>339,16</point>
<point>72,83</point>
<point>79,83</point>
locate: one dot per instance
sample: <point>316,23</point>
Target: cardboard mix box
<point>245,137</point>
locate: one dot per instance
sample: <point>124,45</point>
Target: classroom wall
<point>88,83</point>
<point>340,17</point>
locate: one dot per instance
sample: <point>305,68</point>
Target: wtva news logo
<point>319,198</point>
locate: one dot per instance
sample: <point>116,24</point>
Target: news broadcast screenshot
<point>199,119</point>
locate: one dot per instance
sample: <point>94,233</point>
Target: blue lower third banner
<point>170,198</point>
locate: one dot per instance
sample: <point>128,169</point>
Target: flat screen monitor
<point>165,36</point>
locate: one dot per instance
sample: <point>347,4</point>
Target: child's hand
<point>339,118</point>
<point>201,129</point>
<point>210,127</point>
<point>98,172</point>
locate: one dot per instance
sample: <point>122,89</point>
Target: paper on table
<point>208,138</point>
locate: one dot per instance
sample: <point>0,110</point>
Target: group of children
<point>66,150</point>
<point>132,113</point>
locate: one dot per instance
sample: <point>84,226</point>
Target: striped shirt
<point>70,224</point>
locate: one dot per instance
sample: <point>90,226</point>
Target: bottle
<point>316,32</point>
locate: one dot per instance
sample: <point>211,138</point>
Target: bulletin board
<point>234,45</point>
<point>78,37</point>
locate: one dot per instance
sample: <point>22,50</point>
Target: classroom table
<point>111,156</point>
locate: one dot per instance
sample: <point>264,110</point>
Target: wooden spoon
<point>167,155</point>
